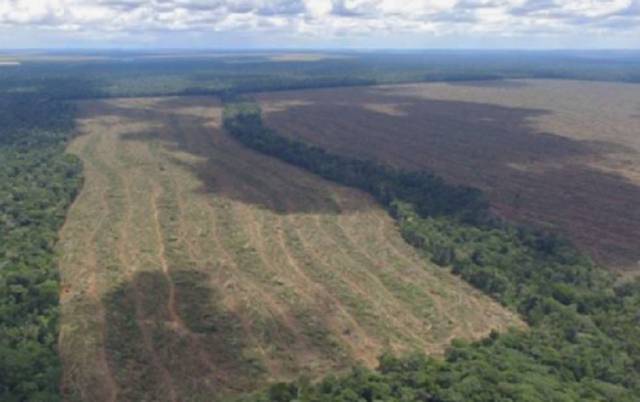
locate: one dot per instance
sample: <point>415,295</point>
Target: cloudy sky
<point>320,23</point>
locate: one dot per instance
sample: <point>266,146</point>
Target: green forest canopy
<point>38,182</point>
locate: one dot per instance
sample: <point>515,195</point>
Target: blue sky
<point>253,24</point>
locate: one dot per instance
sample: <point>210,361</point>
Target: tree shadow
<point>152,356</point>
<point>530,176</point>
<point>213,352</point>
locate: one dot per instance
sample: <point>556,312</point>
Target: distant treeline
<point>583,343</point>
<point>38,182</point>
<point>131,74</point>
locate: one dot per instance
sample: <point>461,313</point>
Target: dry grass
<point>561,154</point>
<point>194,268</point>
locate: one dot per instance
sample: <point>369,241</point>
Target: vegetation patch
<point>37,184</point>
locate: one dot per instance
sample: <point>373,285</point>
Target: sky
<point>301,24</point>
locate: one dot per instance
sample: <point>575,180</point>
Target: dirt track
<point>193,267</point>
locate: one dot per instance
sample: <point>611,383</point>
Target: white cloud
<point>324,19</point>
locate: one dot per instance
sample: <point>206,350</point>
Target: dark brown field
<point>563,155</point>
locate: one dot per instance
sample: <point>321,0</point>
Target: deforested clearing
<point>193,268</point>
<point>562,155</point>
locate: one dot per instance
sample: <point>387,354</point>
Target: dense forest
<point>38,182</point>
<point>583,343</point>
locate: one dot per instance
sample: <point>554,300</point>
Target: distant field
<point>561,154</point>
<point>192,267</point>
<point>291,57</point>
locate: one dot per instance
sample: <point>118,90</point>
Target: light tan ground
<point>595,111</point>
<point>194,268</point>
<point>564,155</point>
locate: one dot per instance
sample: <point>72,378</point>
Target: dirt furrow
<point>244,293</point>
<point>128,255</point>
<point>364,344</point>
<point>346,294</point>
<point>171,302</point>
<point>310,295</point>
<point>184,236</point>
<point>371,289</point>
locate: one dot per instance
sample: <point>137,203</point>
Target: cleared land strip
<point>194,268</point>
